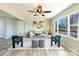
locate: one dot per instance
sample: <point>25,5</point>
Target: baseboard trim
<point>70,49</point>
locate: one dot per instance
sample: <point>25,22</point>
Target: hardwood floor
<point>32,52</point>
<point>5,43</point>
<point>37,52</point>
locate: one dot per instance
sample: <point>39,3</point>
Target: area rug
<point>23,48</point>
<point>27,44</point>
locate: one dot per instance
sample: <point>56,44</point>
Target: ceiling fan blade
<point>46,11</point>
<point>43,15</point>
<point>35,14</point>
<point>31,11</point>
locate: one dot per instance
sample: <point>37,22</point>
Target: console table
<point>36,42</point>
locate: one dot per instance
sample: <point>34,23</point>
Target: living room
<point>35,24</point>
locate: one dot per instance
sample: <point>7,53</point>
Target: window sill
<point>69,37</point>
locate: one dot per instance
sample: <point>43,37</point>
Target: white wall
<point>2,27</point>
<point>67,41</point>
<point>14,26</point>
<point>28,25</point>
<point>20,27</point>
<point>10,25</point>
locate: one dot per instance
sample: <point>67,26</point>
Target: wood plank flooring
<point>32,52</point>
<point>37,52</point>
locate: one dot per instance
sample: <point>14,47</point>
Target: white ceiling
<point>20,10</point>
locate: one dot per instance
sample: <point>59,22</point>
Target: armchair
<point>17,39</point>
<point>56,39</point>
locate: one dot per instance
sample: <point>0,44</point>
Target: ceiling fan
<point>39,11</point>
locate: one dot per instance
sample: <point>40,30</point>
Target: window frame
<point>68,27</point>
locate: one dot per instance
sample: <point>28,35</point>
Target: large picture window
<point>68,25</point>
<point>63,23</point>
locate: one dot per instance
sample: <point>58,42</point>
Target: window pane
<point>73,31</point>
<point>63,25</point>
<point>56,26</point>
<point>74,19</point>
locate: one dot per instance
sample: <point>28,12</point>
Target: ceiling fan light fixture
<point>39,11</point>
